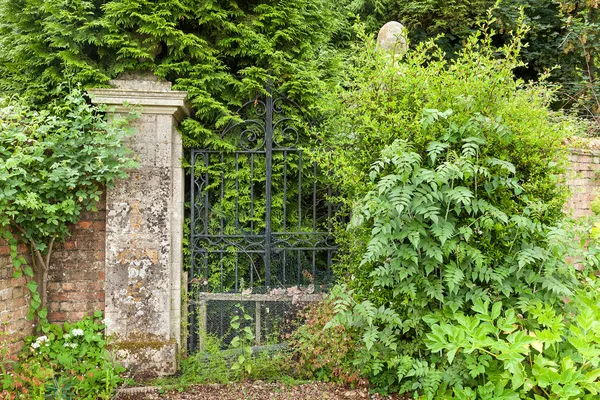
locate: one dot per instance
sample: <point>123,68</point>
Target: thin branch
<point>38,254</point>
<point>50,245</point>
<point>24,233</point>
<point>40,260</point>
<point>35,250</point>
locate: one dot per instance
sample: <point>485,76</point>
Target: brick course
<point>14,303</point>
<point>76,277</point>
<point>584,180</point>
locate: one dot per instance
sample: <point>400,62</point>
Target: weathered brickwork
<point>584,180</point>
<point>14,303</point>
<point>76,277</point>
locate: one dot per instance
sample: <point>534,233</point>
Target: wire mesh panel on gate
<point>260,220</point>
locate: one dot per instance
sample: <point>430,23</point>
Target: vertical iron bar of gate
<point>191,274</point>
<point>268,178</point>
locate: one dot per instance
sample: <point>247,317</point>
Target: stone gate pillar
<point>144,229</point>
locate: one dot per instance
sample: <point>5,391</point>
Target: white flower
<point>35,345</point>
<point>77,332</point>
<point>71,345</point>
<point>42,339</point>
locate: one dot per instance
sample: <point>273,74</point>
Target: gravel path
<point>258,391</point>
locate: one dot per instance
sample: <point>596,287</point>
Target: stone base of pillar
<point>147,358</point>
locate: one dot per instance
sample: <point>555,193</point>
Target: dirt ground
<point>256,391</point>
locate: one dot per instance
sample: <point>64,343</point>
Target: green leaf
<point>28,271</point>
<point>43,313</point>
<point>496,310</point>
<point>32,286</point>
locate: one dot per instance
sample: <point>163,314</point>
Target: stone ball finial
<point>392,37</point>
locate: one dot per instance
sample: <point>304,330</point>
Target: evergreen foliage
<point>221,52</point>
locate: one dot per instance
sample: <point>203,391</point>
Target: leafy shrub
<point>324,354</point>
<point>440,242</point>
<point>542,354</point>
<point>54,164</point>
<point>462,207</point>
<point>386,98</point>
<point>69,361</point>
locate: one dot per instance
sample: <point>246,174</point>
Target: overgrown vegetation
<point>546,354</point>
<point>324,354</point>
<point>562,37</point>
<point>54,164</point>
<point>221,52</point>
<point>461,277</point>
<point>221,362</point>
<point>68,361</point>
<point>452,172</point>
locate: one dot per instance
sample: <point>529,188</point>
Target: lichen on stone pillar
<point>144,228</point>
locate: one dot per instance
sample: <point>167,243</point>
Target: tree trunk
<point>41,266</point>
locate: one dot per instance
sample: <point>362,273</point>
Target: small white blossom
<point>77,332</point>
<point>42,339</point>
<point>71,345</point>
<point>35,345</point>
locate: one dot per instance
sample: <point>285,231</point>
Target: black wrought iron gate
<point>260,222</point>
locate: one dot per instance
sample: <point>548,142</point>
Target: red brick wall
<point>14,303</point>
<point>76,277</point>
<point>75,281</point>
<point>584,180</point>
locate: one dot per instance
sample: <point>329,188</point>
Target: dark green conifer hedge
<point>221,51</point>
